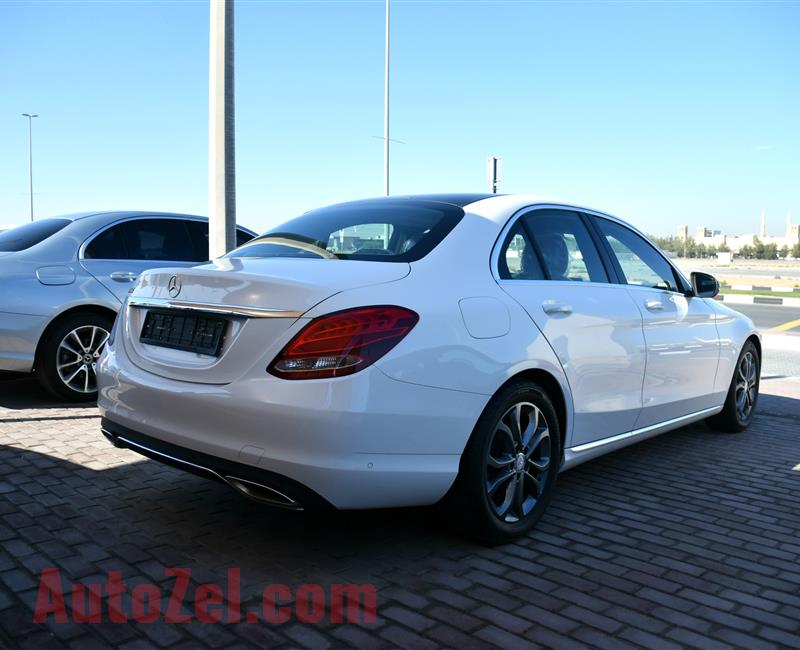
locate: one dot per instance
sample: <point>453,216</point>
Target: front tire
<point>740,404</point>
<point>509,467</point>
<point>67,360</point>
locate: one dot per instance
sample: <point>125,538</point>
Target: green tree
<point>784,252</point>
<point>769,252</point>
<point>747,252</point>
<point>796,250</point>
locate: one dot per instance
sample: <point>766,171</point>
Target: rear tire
<point>740,404</point>
<point>68,356</point>
<point>509,467</point>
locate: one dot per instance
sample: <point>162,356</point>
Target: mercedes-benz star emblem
<point>174,286</point>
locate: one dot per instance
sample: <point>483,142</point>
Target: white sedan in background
<point>402,351</point>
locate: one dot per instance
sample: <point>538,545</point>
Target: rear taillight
<point>343,342</point>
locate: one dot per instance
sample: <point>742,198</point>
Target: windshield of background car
<point>387,231</point>
<point>30,234</point>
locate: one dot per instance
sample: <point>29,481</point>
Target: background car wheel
<point>740,405</point>
<point>509,466</point>
<point>68,356</point>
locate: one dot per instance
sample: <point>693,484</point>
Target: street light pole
<point>386,110</point>
<point>221,132</point>
<point>30,154</point>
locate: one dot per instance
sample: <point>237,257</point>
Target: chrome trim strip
<point>239,484</point>
<point>638,432</point>
<point>230,310</point>
<point>135,445</point>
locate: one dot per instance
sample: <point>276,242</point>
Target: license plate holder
<point>191,331</point>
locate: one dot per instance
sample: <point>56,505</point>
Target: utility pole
<point>30,154</point>
<point>386,110</point>
<point>221,132</point>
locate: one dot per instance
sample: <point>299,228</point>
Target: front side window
<point>564,246</point>
<point>641,264</point>
<point>30,234</point>
<point>198,232</point>
<point>399,230</point>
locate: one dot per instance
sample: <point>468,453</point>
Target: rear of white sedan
<point>263,368</point>
<point>398,351</point>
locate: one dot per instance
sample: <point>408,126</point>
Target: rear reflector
<point>343,342</point>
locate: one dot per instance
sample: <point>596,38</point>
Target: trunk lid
<point>258,299</point>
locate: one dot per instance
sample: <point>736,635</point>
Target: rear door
<point>117,255</point>
<point>550,264</point>
<point>679,329</point>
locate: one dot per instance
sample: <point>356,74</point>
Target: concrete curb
<point>735,299</point>
<point>756,287</point>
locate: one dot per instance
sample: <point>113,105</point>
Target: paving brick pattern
<point>689,540</point>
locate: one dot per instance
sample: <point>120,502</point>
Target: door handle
<point>553,307</point>
<point>124,276</point>
<point>654,305</point>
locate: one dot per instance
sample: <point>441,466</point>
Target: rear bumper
<point>362,441</point>
<point>19,337</point>
<point>255,483</point>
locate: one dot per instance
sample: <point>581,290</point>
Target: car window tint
<point>565,246</point>
<point>108,245</point>
<point>159,239</point>
<point>242,236</point>
<point>391,230</point>
<point>30,234</point>
<point>518,259</point>
<point>198,232</point>
<point>641,264</point>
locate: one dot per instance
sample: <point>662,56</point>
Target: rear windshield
<point>380,230</point>
<point>30,234</point>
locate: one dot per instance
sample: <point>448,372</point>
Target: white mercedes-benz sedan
<point>406,351</point>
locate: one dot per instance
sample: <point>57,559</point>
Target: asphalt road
<point>766,317</point>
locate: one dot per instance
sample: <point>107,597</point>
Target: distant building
<point>683,232</point>
<point>716,238</point>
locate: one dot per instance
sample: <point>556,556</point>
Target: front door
<point>550,265</point>
<point>680,329</point>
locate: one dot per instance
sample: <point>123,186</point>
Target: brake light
<point>343,342</point>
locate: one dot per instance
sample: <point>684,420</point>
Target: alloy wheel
<point>746,386</point>
<point>77,355</point>
<point>518,462</point>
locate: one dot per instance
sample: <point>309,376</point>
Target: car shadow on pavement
<point>24,392</point>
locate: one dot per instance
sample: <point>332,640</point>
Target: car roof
<point>75,216</point>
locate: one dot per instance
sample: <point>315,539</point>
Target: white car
<point>404,351</point>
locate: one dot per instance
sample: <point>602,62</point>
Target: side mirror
<point>704,285</point>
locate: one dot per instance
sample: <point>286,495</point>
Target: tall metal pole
<point>30,155</point>
<point>386,110</point>
<point>221,132</point>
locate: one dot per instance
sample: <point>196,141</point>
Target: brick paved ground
<point>687,540</point>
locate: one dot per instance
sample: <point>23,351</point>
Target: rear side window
<point>518,260</point>
<point>30,234</point>
<point>159,240</point>
<point>401,230</point>
<point>564,246</point>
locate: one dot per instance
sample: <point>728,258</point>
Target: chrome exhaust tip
<point>262,493</point>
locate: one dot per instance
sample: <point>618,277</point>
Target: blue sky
<point>661,112</point>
